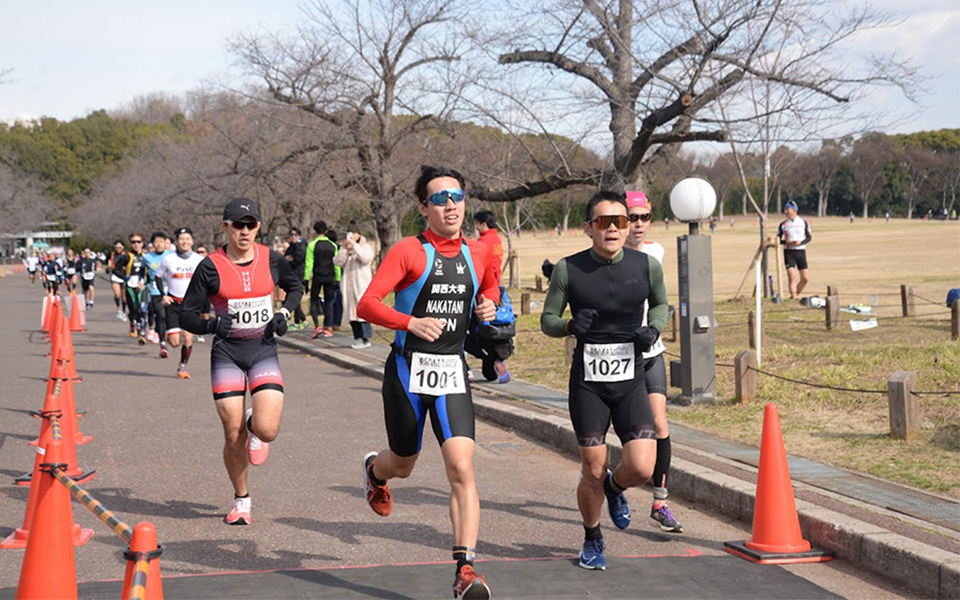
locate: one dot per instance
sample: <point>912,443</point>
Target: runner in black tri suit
<point>239,279</point>
<point>134,284</point>
<point>606,287</point>
<point>117,267</point>
<point>439,277</point>
<point>70,271</point>
<point>87,265</point>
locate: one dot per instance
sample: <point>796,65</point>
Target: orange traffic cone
<point>45,314</point>
<point>144,540</point>
<point>71,358</point>
<point>76,314</point>
<point>49,569</point>
<point>53,325</point>
<point>69,406</point>
<point>776,537</point>
<point>18,539</point>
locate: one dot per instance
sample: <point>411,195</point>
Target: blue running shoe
<point>617,503</point>
<point>591,556</point>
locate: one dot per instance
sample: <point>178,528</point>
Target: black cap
<point>180,230</point>
<point>241,208</point>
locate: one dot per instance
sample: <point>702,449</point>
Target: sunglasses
<point>443,196</point>
<point>241,225</point>
<point>136,241</point>
<point>605,221</point>
<point>644,217</point>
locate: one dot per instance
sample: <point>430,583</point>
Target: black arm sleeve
<point>283,276</point>
<point>806,230</point>
<point>204,283</point>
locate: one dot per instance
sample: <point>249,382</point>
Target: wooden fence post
<point>539,283</point>
<point>904,412</point>
<point>955,319</point>
<point>570,344</point>
<point>745,375</point>
<point>832,290</point>
<point>833,312</point>
<point>906,299</point>
<point>513,270</point>
<point>751,330</point>
<point>675,326</point>
<point>525,303</point>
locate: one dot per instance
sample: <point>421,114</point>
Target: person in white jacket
<point>354,260</point>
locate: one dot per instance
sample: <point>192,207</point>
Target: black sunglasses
<point>637,217</point>
<point>251,225</point>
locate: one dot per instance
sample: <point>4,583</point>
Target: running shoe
<point>360,345</point>
<point>133,332</point>
<point>120,315</point>
<point>182,372</point>
<point>378,497</point>
<point>257,449</point>
<point>240,515</point>
<point>469,584</point>
<point>163,352</point>
<point>200,339</point>
<point>503,375</point>
<point>617,504</point>
<point>141,340</point>
<point>326,333</point>
<point>470,376</point>
<point>662,517</point>
<point>316,332</point>
<point>591,556</point>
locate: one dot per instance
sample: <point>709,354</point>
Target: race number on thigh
<point>436,374</point>
<point>251,313</point>
<point>608,362</point>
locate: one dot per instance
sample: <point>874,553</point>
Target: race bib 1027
<point>436,374</point>
<point>608,362</point>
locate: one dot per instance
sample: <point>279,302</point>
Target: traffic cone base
<point>777,558</point>
<point>82,476</point>
<point>776,537</point>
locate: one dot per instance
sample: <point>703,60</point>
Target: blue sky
<point>70,57</point>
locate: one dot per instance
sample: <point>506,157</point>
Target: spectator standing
<point>320,271</point>
<point>337,297</point>
<point>296,255</point>
<point>354,260</point>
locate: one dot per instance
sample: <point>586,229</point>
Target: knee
<point>268,434</point>
<point>460,471</point>
<point>804,276</point>
<point>593,473</point>
<point>174,342</point>
<point>234,440</point>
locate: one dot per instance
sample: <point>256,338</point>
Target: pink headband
<point>637,199</point>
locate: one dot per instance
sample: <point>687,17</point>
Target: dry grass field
<point>867,262</point>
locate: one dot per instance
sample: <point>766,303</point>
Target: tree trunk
<point>866,209</point>
<point>566,217</point>
<point>388,224</point>
<point>909,211</point>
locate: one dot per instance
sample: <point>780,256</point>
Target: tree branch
<point>559,60</point>
<point>530,189</point>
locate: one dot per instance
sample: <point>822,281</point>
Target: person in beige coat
<point>354,261</point>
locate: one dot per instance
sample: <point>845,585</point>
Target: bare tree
<point>658,70</point>
<point>375,69</point>
<point>21,201</point>
<point>826,162</point>
<point>868,159</point>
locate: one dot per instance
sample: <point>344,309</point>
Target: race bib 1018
<point>251,313</point>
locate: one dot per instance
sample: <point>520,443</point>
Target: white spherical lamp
<point>692,200</point>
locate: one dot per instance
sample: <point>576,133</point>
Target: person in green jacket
<point>321,272</point>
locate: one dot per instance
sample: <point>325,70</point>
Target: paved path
<point>156,450</point>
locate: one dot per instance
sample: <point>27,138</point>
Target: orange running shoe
<point>470,585</point>
<point>378,497</point>
<point>182,373</point>
<point>240,515</point>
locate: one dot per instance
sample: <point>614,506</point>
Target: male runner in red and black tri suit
<point>438,277</point>
<point>239,280</point>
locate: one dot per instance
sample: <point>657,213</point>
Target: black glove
<point>277,325</point>
<point>220,325</point>
<point>582,321</point>
<point>645,337</point>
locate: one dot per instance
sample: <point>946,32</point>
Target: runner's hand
<point>486,309</point>
<point>167,300</point>
<point>582,321</point>
<point>277,325</point>
<point>220,325</point>
<point>645,337</point>
<point>426,328</point>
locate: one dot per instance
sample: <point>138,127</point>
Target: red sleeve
<point>480,253</point>
<point>492,241</point>
<point>401,267</point>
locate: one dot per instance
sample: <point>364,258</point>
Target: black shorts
<point>656,375</point>
<point>594,405</point>
<point>86,284</point>
<point>173,317</point>
<point>405,413</point>
<point>795,259</point>
<point>236,365</point>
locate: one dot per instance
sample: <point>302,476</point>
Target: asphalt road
<point>157,453</point>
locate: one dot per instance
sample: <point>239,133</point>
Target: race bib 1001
<point>251,313</point>
<point>436,374</point>
<point>608,362</point>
